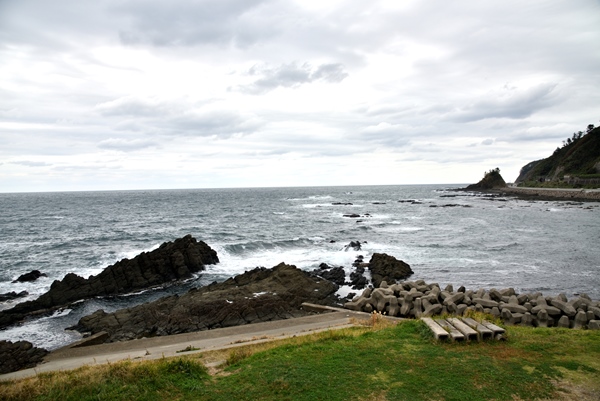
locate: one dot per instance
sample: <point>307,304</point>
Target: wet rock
<point>358,281</point>
<point>336,275</point>
<point>31,276</point>
<point>354,245</point>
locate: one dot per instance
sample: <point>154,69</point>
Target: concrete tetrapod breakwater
<point>417,299</point>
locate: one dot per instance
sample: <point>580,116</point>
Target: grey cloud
<point>330,73</point>
<point>487,142</point>
<point>172,119</point>
<point>292,75</point>
<point>518,104</point>
<point>190,23</point>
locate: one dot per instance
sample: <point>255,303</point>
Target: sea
<point>446,236</point>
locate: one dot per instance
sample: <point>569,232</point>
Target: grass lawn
<point>401,362</point>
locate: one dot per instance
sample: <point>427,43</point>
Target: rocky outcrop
<point>387,268</point>
<point>31,276</point>
<point>491,180</point>
<point>419,299</point>
<point>171,261</point>
<point>256,296</point>
<point>354,245</point>
<point>19,355</point>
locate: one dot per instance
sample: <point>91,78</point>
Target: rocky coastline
<point>172,261</point>
<point>258,295</point>
<point>263,294</point>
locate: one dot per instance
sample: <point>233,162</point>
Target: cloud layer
<point>226,93</point>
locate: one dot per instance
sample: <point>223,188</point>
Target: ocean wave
<point>501,247</point>
<point>312,197</point>
<point>253,246</point>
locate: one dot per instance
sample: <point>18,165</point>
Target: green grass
<point>393,363</point>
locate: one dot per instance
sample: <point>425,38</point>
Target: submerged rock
<point>175,260</point>
<point>8,296</point>
<point>256,296</point>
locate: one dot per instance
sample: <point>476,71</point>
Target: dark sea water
<point>550,247</point>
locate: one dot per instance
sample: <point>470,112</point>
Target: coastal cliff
<point>577,162</point>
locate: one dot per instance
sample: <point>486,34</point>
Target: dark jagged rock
<point>324,266</point>
<point>19,355</point>
<point>336,275</point>
<point>387,268</point>
<point>357,280</point>
<point>8,296</point>
<point>175,260</point>
<point>256,296</point>
<point>355,245</point>
<point>360,262</point>
<point>31,276</point>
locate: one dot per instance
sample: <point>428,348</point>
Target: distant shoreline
<point>530,193</point>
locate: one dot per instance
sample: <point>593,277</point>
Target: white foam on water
<point>40,333</point>
<point>308,258</point>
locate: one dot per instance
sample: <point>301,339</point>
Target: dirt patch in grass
<point>568,391</point>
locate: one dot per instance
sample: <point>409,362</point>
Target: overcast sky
<point>132,94</point>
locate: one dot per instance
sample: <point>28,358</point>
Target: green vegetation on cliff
<point>575,164</point>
